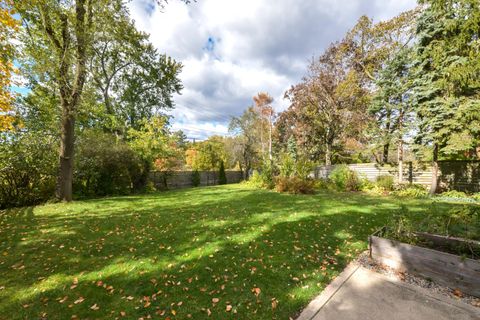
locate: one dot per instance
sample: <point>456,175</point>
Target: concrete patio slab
<point>361,294</point>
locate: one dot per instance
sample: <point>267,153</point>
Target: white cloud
<point>232,49</point>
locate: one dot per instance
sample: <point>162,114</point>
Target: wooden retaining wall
<point>444,268</point>
<point>183,179</point>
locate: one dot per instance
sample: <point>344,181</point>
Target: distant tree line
<point>93,121</point>
<point>407,85</point>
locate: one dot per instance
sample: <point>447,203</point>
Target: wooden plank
<point>400,248</point>
<point>444,268</point>
<point>448,241</point>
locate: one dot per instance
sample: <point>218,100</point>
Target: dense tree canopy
<point>88,58</point>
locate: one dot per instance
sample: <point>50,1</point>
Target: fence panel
<point>183,179</point>
<point>457,175</point>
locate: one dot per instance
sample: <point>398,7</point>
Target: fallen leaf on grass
<point>95,307</point>
<point>215,300</point>
<point>79,300</point>
<point>228,308</point>
<point>274,303</point>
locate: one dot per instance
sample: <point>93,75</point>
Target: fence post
<point>410,172</point>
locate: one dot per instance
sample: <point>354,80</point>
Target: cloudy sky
<point>233,49</point>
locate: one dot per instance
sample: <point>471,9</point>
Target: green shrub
<point>411,191</point>
<point>339,176</point>
<point>222,177</point>
<point>476,196</point>
<point>453,194</point>
<point>255,180</point>
<point>28,167</point>
<point>303,168</point>
<point>195,178</point>
<point>294,185</point>
<point>107,166</point>
<point>376,190</point>
<point>287,165</point>
<point>353,183</point>
<point>345,179</point>
<point>366,185</point>
<point>385,182</point>
<point>324,184</point>
<point>266,175</point>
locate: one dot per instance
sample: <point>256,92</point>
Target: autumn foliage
<point>8,29</point>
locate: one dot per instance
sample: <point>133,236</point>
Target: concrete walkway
<point>360,294</point>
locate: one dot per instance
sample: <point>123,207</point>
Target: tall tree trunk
<point>328,154</point>
<point>386,147</point>
<point>261,139</point>
<point>241,169</point>
<point>65,174</point>
<point>400,161</point>
<point>70,93</point>
<point>434,184</point>
<point>270,140</point>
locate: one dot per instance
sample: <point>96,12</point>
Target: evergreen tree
<point>222,177</point>
<point>446,89</point>
<point>392,106</point>
<point>195,178</point>
<point>292,148</point>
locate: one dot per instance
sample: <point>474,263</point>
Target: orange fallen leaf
<point>458,293</point>
<point>274,303</point>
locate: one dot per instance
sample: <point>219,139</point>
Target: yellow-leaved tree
<point>8,29</point>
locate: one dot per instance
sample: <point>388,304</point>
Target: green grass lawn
<point>224,252</point>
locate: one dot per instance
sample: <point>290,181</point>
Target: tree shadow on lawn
<point>288,246</point>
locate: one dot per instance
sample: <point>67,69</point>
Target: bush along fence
<point>185,179</point>
<point>453,175</point>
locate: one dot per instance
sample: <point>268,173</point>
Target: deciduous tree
<point>8,31</point>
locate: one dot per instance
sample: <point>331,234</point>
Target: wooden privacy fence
<point>456,175</point>
<point>183,179</point>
